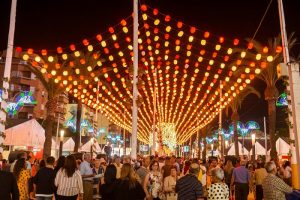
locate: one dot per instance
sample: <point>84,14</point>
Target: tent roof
<point>29,133</point>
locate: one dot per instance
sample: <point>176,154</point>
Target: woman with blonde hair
<point>129,187</point>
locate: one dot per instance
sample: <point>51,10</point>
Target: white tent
<point>29,133</point>
<point>282,147</point>
<point>231,151</point>
<point>87,147</point>
<point>259,149</point>
<point>69,145</point>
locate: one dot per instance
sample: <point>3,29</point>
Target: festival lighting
<point>190,63</point>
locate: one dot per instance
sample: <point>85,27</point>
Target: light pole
<point>92,143</point>
<point>62,132</point>
<point>253,146</point>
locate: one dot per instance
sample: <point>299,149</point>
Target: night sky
<point>51,23</point>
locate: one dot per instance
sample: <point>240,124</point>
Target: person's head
<point>42,164</point>
<point>187,163</point>
<point>147,161</point>
<point>195,160</point>
<point>87,157</point>
<point>97,163</point>
<point>60,162</point>
<point>194,169</point>
<point>167,160</point>
<point>19,166</point>
<point>271,167</point>
<point>126,159</point>
<point>217,175</point>
<point>243,162</point>
<point>127,173</point>
<point>50,160</point>
<point>173,171</point>
<point>1,156</point>
<point>117,160</point>
<point>154,166</point>
<point>213,162</point>
<point>110,174</point>
<point>173,159</point>
<point>287,164</point>
<point>22,154</point>
<point>70,165</point>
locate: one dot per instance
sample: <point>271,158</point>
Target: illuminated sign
<point>12,108</point>
<point>26,97</point>
<point>282,100</point>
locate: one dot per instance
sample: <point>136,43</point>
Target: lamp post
<point>226,144</point>
<point>253,146</point>
<point>212,149</point>
<point>92,143</point>
<point>62,132</point>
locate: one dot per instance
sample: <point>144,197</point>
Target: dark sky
<point>52,23</point>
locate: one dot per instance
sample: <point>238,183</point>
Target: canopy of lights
<point>184,65</point>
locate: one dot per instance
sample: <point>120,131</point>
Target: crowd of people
<point>147,177</point>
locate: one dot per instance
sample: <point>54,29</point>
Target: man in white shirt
<point>87,177</point>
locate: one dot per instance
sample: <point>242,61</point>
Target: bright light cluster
<point>190,64</point>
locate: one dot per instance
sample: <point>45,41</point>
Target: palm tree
<point>53,72</point>
<point>235,105</point>
<point>269,77</point>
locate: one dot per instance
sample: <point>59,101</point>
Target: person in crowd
<point>274,187</point>
<point>5,166</point>
<point>202,177</point>
<point>186,167</point>
<point>153,182</point>
<point>21,155</point>
<point>161,161</point>
<point>118,164</point>
<point>179,161</point>
<point>287,173</point>
<point>107,190</point>
<point>126,159</point>
<point>59,164</point>
<point>173,162</point>
<point>189,187</point>
<point>44,181</point>
<point>87,177</point>
<point>166,169</point>
<point>68,181</point>
<point>252,188</point>
<point>22,176</point>
<point>228,170</point>
<point>218,189</point>
<point>241,179</point>
<point>213,162</point>
<point>98,172</point>
<point>143,170</point>
<point>259,175</point>
<point>170,183</point>
<point>129,187</point>
<point>8,186</point>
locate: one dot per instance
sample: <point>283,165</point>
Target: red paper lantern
<point>59,50</point>
<point>72,47</point>
<point>111,30</point>
<point>144,7</point>
<point>221,40</point>
<point>123,22</point>
<point>155,11</point>
<point>206,34</point>
<point>167,18</point>
<point>236,42</point>
<point>85,42</point>
<point>99,37</point>
<point>179,24</point>
<point>192,30</point>
<point>19,49</point>
<point>30,51</point>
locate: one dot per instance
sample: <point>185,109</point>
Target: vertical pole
<point>124,134</point>
<point>154,116</point>
<point>56,139</point>
<point>7,69</point>
<point>266,139</point>
<point>135,80</point>
<point>220,123</point>
<point>292,117</point>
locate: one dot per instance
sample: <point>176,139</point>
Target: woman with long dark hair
<point>129,187</point>
<point>68,181</point>
<point>59,163</point>
<point>110,183</point>
<point>22,175</point>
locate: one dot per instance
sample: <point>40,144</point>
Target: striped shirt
<point>68,186</point>
<point>188,188</point>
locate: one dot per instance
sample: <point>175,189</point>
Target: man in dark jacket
<point>8,186</point>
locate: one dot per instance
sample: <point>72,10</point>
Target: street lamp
<point>253,146</point>
<point>62,132</point>
<point>212,149</point>
<point>92,142</point>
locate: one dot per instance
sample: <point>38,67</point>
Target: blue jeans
<point>43,198</point>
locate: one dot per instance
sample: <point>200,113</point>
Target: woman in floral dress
<point>153,182</point>
<point>22,175</point>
